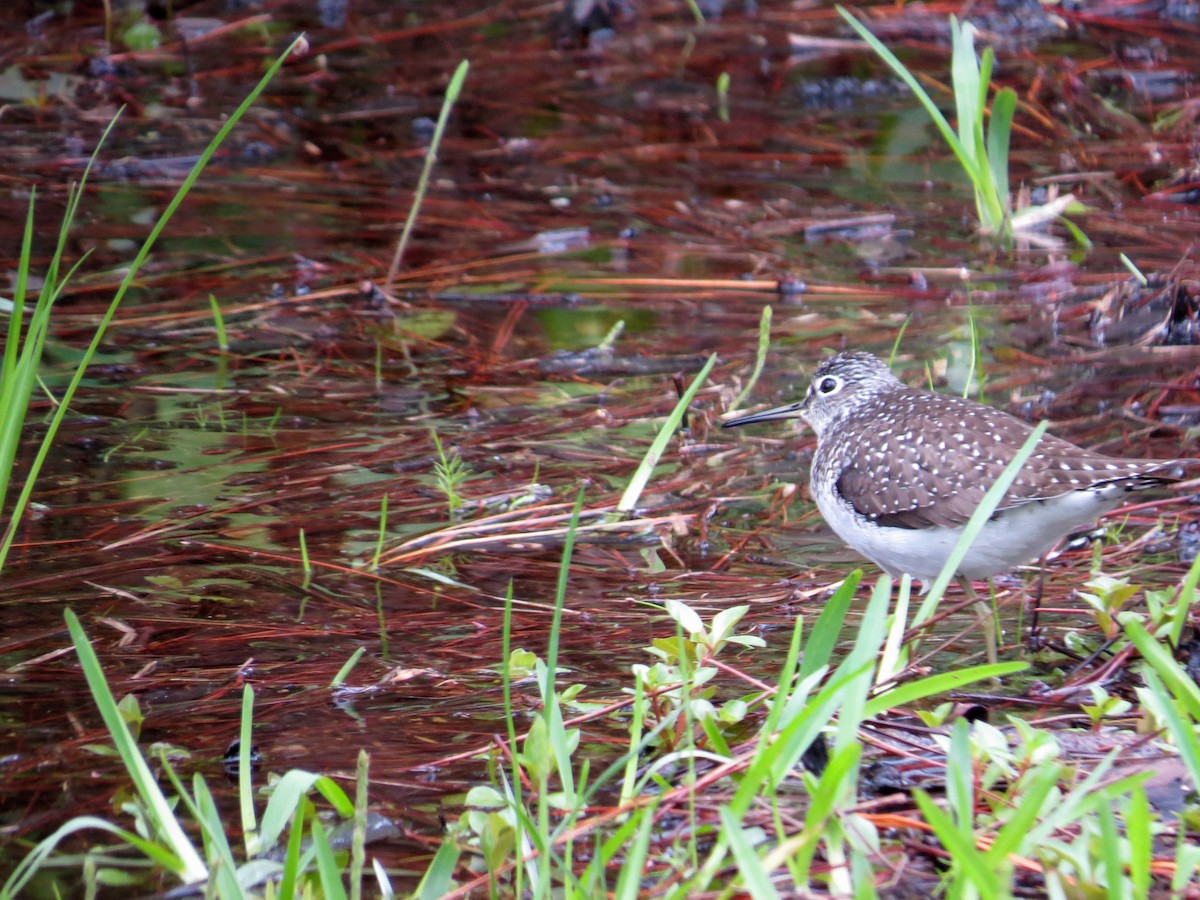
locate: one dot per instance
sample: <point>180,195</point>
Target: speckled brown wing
<point>936,471</point>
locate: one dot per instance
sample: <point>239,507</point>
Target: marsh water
<point>592,173</point>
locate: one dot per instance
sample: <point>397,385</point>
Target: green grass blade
<point>347,667</point>
<point>987,506</point>
<point>640,477</point>
<point>1187,596</point>
<point>216,843</point>
<point>131,274</point>
<point>1158,658</point>
<point>191,867</point>
<point>824,636</point>
<point>948,135</point>
<point>551,708</point>
<point>328,871</point>
<point>963,852</point>
<point>964,76</point>
<point>439,877</point>
<point>1004,107</point>
<point>291,861</point>
<point>913,691</point>
<point>629,882</point>
<point>755,877</point>
<point>1182,729</point>
<point>246,774</point>
<point>1141,841</point>
<point>16,380</point>
<point>452,92</point>
<point>760,358</point>
<point>40,854</point>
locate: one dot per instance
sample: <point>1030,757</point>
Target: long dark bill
<point>791,411</point>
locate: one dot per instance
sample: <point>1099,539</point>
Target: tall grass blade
<point>948,135</point>
<point>760,357</point>
<point>452,92</point>
<point>756,878</point>
<point>642,475</point>
<point>191,868</point>
<point>1004,107</point>
<point>987,506</point>
<point>18,509</point>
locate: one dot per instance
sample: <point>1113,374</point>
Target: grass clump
<point>981,149</point>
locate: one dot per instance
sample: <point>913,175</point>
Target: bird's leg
<point>1035,640</point>
<point>986,618</point>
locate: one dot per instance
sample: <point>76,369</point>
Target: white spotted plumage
<point>899,471</point>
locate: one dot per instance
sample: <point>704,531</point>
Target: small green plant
<point>641,475</point>
<point>684,668</point>
<point>219,324</point>
<point>982,152</point>
<point>1104,706</point>
<point>450,473</point>
<point>723,96</point>
<point>1107,596</point>
<point>760,357</point>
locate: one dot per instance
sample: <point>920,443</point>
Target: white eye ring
<point>829,384</point>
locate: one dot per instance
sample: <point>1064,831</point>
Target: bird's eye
<point>829,385</point>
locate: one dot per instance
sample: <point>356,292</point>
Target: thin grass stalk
<point>630,879</point>
<point>899,337</point>
<point>828,627</point>
<point>824,793</point>
<point>552,712</point>
<point>511,726</point>
<point>191,868</point>
<point>223,882</point>
<point>966,859</point>
<point>760,357</point>
<point>382,532</point>
<point>1187,594</point>
<point>756,877</point>
<point>17,383</point>
<point>347,667</point>
<point>20,876</point>
<point>16,397</point>
<point>636,725</point>
<point>328,872</point>
<point>358,852</point>
<point>902,72</point>
<point>1141,841</point>
<point>641,475</point>
<point>219,324</point>
<point>452,92</point>
<point>960,780</point>
<point>131,273</point>
<point>291,861</point>
<point>914,691</point>
<point>246,774</point>
<point>983,512</point>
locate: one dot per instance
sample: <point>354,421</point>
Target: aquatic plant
<point>981,151</point>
